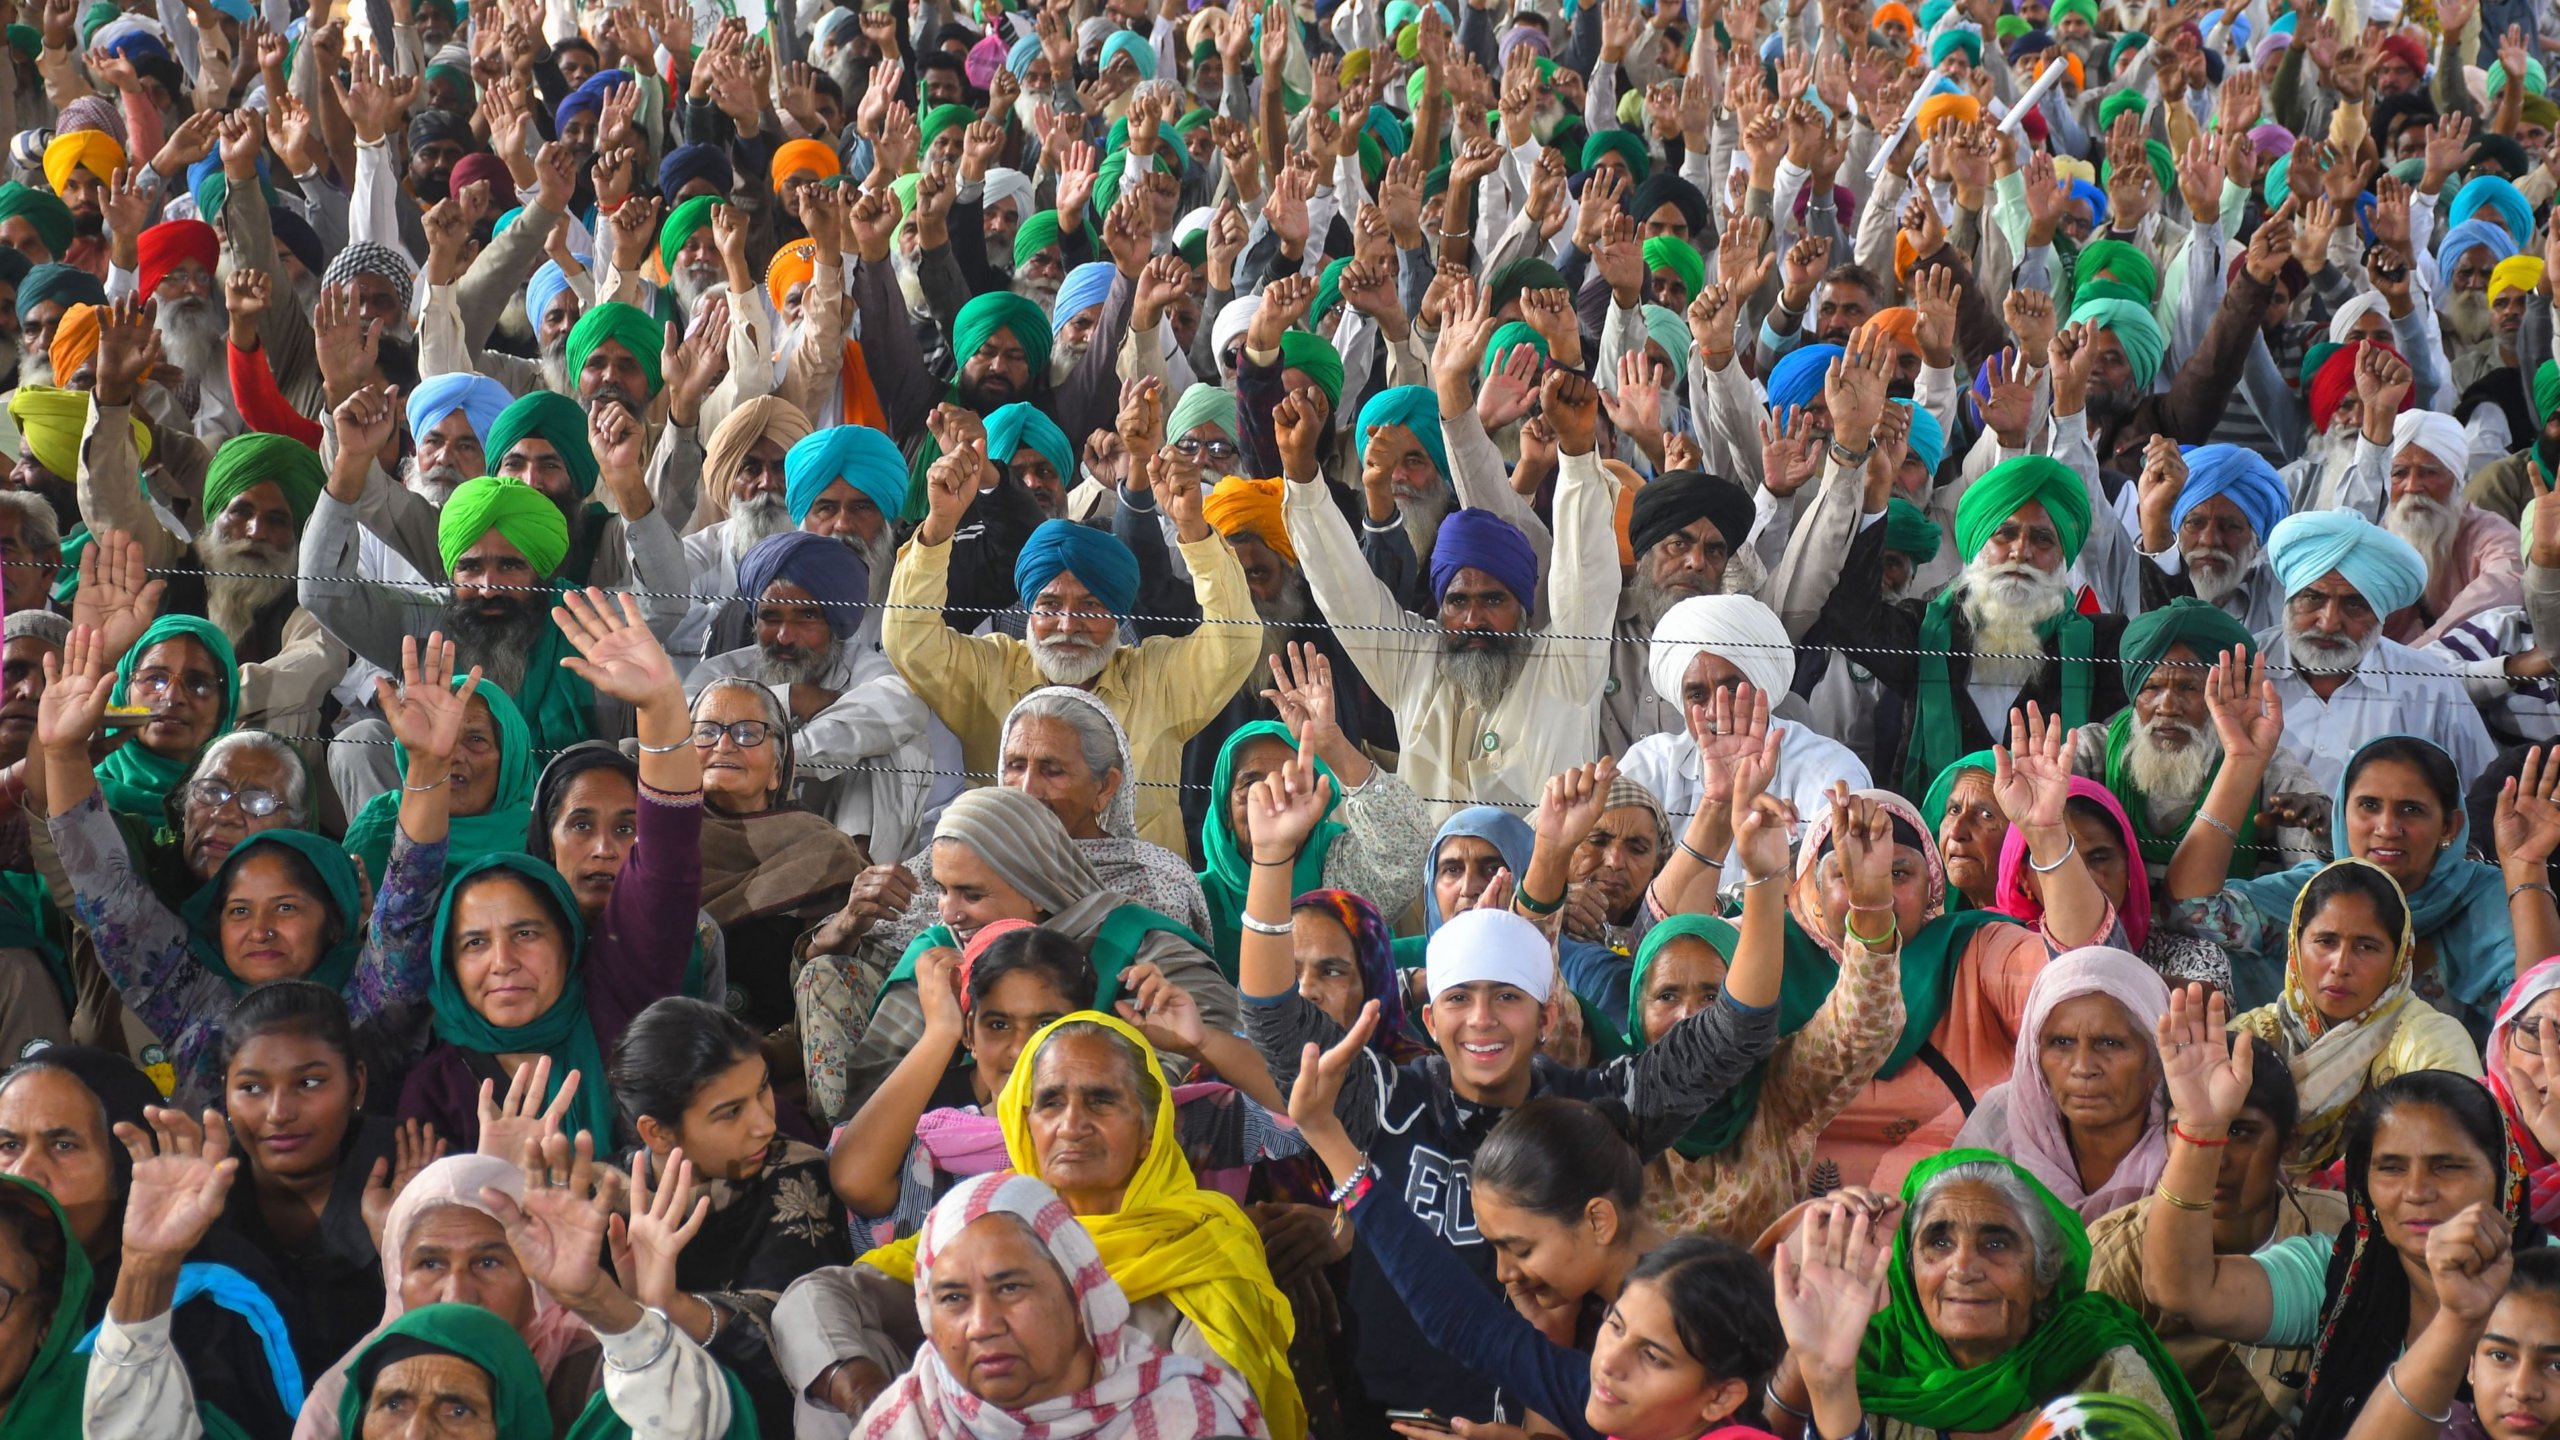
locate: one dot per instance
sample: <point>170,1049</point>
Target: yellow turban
<point>2066,168</point>
<point>1355,64</point>
<point>1238,506</point>
<point>96,150</point>
<point>51,421</point>
<point>2516,272</point>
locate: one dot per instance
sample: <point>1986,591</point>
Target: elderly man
<point>174,263</point>
<point>2326,466</point>
<point>2205,519</point>
<point>1486,708</point>
<point>742,506</point>
<point>1712,643</point>
<point>2348,683</point>
<point>1080,586</point>
<point>30,550</point>
<point>2408,471</point>
<point>1685,529</point>
<point>34,223</point>
<point>858,731</point>
<point>44,297</point>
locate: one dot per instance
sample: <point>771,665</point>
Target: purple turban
<point>1482,540</point>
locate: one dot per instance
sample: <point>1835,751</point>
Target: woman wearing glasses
<point>490,776</point>
<point>2524,1073</point>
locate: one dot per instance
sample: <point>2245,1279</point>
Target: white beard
<point>2334,453</point>
<point>910,283</point>
<point>555,366</point>
<point>436,486</point>
<point>2324,654</point>
<point>2425,522</point>
<point>1064,356</point>
<point>1422,515</point>
<point>231,602</point>
<point>879,555</point>
<point>1648,602</point>
<point>754,520</point>
<point>692,283</point>
<point>2172,779</point>
<point>2468,324</point>
<point>1043,293</point>
<point>2218,574</point>
<point>35,367</point>
<point>196,333</point>
<point>1072,662</point>
<point>2004,604</point>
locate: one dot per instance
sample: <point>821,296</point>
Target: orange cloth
<point>1896,10</point>
<point>797,155</point>
<point>2070,62</point>
<point>75,341</point>
<point>797,262</point>
<point>1239,506</point>
<point>1901,322</point>
<point>1629,482</point>
<point>1962,108</point>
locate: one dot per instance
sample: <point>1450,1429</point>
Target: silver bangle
<point>1763,880</point>
<point>648,749</point>
<point>2059,861</point>
<point>1694,853</point>
<point>1260,926</point>
<point>2391,1377</point>
<point>423,789</point>
<point>2209,818</point>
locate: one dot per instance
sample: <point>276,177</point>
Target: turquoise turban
<point>2240,475</point>
<point>856,454</point>
<point>1415,407</point>
<point>1950,41</point>
<point>1012,427</point>
<point>2497,194</point>
<point>1664,327</point>
<point>1085,287</point>
<point>2006,488</point>
<point>1928,438</point>
<point>2134,329</point>
<point>1098,558</point>
<point>1127,42</point>
<point>2386,570</point>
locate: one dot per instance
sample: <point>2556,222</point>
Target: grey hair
<point>776,714</point>
<point>1142,1073</point>
<point>2034,1220</point>
<point>35,516</point>
<point>1098,734</point>
<point>297,773</point>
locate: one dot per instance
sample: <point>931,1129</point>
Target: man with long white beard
<point>742,473</point>
<point>2347,683</point>
<point>857,729</point>
<point>2469,252</point>
<point>1042,251</point>
<point>1077,315</point>
<point>1684,529</point>
<point>1486,707</point>
<point>1080,585</point>
<point>2205,518</point>
<point>258,493</point>
<point>2408,470</point>
<point>174,264</point>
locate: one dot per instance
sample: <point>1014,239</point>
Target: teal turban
<point>41,209</point>
<point>1510,335</point>
<point>1664,327</point>
<point>1627,143</point>
<point>856,454</point>
<point>67,285</point>
<point>1950,41</point>
<point>1670,252</point>
<point>1098,558</point>
<point>552,416</point>
<point>1034,235</point>
<point>981,318</point>
<point>1416,408</point>
<point>2386,570</point>
<point>1129,43</point>
<point>243,461</point>
<point>522,515</point>
<point>1010,428</point>
<point>2134,329</point>
<point>2006,487</point>
<point>633,328</point>
<point>1528,273</point>
<point>1909,532</point>
<point>1202,405</point>
<point>1316,356</point>
<point>2205,629</point>
<point>2492,193</point>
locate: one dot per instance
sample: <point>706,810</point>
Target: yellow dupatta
<point>1169,1237</point>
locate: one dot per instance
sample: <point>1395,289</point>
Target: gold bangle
<point>2193,1207</point>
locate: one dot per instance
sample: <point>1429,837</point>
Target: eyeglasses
<point>160,684</point>
<point>2528,1034</point>
<point>8,1299</point>
<point>1052,610</point>
<point>256,801</point>
<point>1191,447</point>
<point>745,734</point>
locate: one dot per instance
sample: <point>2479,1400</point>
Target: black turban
<point>1681,498</point>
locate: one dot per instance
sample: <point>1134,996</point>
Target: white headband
<point>1493,945</point>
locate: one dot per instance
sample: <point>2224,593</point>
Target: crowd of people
<point>1297,719</point>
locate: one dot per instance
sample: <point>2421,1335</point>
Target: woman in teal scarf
<point>493,777</point>
<point>42,1372</point>
<point>1986,1313</point>
<point>184,672</point>
<point>1961,812</point>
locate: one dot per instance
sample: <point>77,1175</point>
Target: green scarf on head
<point>1230,869</point>
<point>47,1405</point>
<point>1906,1374</point>
<point>564,1032</point>
<point>1933,806</point>
<point>1721,1123</point>
<point>29,921</point>
<point>1939,729</point>
<point>337,876</point>
<point>138,781</point>
<point>1928,972</point>
<point>501,827</point>
<point>472,1334</point>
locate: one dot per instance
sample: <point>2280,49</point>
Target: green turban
<point>1507,337</point>
<point>244,460</point>
<point>1202,405</point>
<point>1106,181</point>
<point>941,118</point>
<point>2318,355</point>
<point>2116,260</point>
<point>2203,628</point>
<point>2163,168</point>
<point>2134,329</point>
<point>1670,252</point>
<point>1526,274</point>
<point>635,329</point>
<point>42,209</point>
<point>2008,28</point>
<point>96,18</point>
<point>1627,143</point>
<point>2121,102</point>
<point>984,316</point>
<point>523,516</point>
<point>1316,356</point>
<point>2546,390</point>
<point>458,76</point>
<point>2130,40</point>
<point>1907,531</point>
<point>681,224</point>
<point>552,416</point>
<point>2085,9</point>
<point>1328,289</point>
<point>27,40</point>
<point>2006,487</point>
<point>1034,235</point>
<point>1950,41</point>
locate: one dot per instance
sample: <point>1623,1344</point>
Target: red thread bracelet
<point>2181,1132</point>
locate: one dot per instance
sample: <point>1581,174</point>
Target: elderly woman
<point>1975,1316</point>
<point>1023,1319</point>
<point>2110,881</point>
<point>1970,829</point>
<point>489,777</point>
<point>1469,850</point>
<point>2522,1072</point>
<point>997,854</point>
<point>2081,1107</point>
<point>1088,1111</point>
<point>285,904</point>
<point>42,1369</point>
<point>182,671</point>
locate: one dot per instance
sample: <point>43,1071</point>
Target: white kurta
<point>1808,763</point>
<point>2398,691</point>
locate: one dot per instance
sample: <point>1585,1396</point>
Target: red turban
<point>2405,48</point>
<point>163,245</point>
<point>478,166</point>
<point>2335,380</point>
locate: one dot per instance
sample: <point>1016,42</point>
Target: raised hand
<point>1830,1283</point>
<point>2033,775</point>
<point>1302,691</point>
<point>558,1230</point>
<point>617,654</point>
<point>426,711</point>
<point>118,599</point>
<point>2527,823</point>
<point>177,1187</point>
<point>2248,715</point>
<point>2206,1068</point>
<point>2471,1258</point>
<point>1788,451</point>
<point>1163,1012</point>
<point>664,1219</point>
<point>415,1146</point>
<point>505,1125</point>
<point>1573,802</point>
<point>1862,831</point>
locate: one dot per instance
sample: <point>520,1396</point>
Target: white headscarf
<point>1735,628</point>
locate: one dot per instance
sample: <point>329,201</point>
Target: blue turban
<point>1796,380</point>
<point>2462,239</point>
<point>2386,570</point>
<point>588,99</point>
<point>476,396</point>
<point>1085,287</point>
<point>1482,540</point>
<point>1928,437</point>
<point>1097,557</point>
<point>1021,423</point>
<point>1019,58</point>
<point>824,566</point>
<point>2497,194</point>
<point>1140,53</point>
<point>2097,198</point>
<point>2242,476</point>
<point>856,454</point>
<point>545,287</point>
<point>1416,408</point>
<point>688,163</point>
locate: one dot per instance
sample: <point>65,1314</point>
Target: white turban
<point>1493,945</point>
<point>2342,325</point>
<point>1229,328</point>
<point>1013,185</point>
<point>1735,628</point>
<point>2435,432</point>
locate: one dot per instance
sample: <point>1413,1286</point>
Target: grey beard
<point>501,648</point>
<point>1486,676</point>
<point>1072,662</point>
<point>2467,321</point>
<point>35,367</point>
<point>555,366</point>
<point>1422,515</point>
<point>2172,780</point>
<point>257,576</point>
<point>1063,358</point>
<point>607,390</point>
<point>436,485</point>
<point>2321,653</point>
<point>195,333</point>
<point>692,283</point>
<point>1043,293</point>
<point>792,665</point>
<point>756,519</point>
<point>1648,601</point>
<point>2004,604</point>
<point>2219,580</point>
<point>1281,620</point>
<point>2425,522</point>
<point>879,555</point>
<point>910,283</point>
<point>306,292</point>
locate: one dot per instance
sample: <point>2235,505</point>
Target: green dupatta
<point>501,827</point>
<point>1722,1122</point>
<point>2158,848</point>
<point>136,780</point>
<point>47,1405</point>
<point>1928,971</point>
<point>564,1032</point>
<point>337,877</point>
<point>1230,869</point>
<point>1906,1374</point>
<point>558,707</point>
<point>29,921</point>
<point>1937,734</point>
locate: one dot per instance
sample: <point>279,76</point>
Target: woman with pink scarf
<point>2524,1073</point>
<point>2081,1108</point>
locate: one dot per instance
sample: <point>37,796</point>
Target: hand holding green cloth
<point>1905,1372</point>
<point>244,461</point>
<point>682,223</point>
<point>1230,868</point>
<point>565,1032</point>
<point>557,420</point>
<point>137,780</point>
<point>500,827</point>
<point>629,326</point>
<point>523,516</point>
<point>1315,356</point>
<point>337,874</point>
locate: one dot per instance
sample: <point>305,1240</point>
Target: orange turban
<point>1962,108</point>
<point>799,155</point>
<point>792,264</point>
<point>1896,10</point>
<point>75,340</point>
<point>1238,506</point>
<point>1901,322</point>
<point>2070,62</point>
